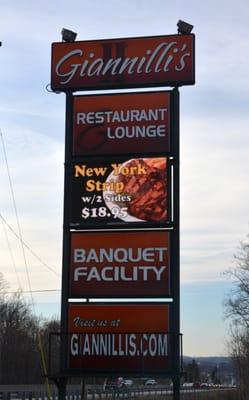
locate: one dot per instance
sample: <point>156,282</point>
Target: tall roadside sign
<point>121,205</point>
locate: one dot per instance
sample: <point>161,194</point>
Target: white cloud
<point>214,194</point>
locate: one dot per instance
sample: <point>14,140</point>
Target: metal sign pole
<point>66,244</point>
<point>176,244</point>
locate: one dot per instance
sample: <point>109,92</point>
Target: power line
<point>17,218</point>
<point>34,291</point>
<point>26,265</point>
<point>19,235</point>
<point>11,254</point>
<point>27,247</point>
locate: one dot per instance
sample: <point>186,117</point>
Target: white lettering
<point>86,346</point>
<point>153,61</point>
<point>132,115</point>
<point>74,345</point>
<point>74,67</point>
<point>93,274</point>
<point>104,275</point>
<point>119,254</point>
<point>82,271</point>
<point>118,344</point>
<point>79,255</point>
<point>119,273</point>
<point>136,131</point>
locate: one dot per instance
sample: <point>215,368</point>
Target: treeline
<point>22,338</point>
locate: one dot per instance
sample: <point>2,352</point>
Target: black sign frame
<point>98,128</point>
<point>121,293</point>
<point>99,216</point>
<point>175,314</point>
<point>118,45</point>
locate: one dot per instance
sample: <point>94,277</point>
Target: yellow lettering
<point>141,170</point>
<point>119,187</point>
<point>100,171</point>
<point>90,185</point>
<point>99,186</point>
<point>129,170</point>
<point>89,172</point>
<point>116,169</point>
<point>116,187</point>
<point>133,170</point>
<point>79,170</point>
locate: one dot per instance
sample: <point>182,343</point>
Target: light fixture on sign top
<point>68,36</point>
<point>184,28</point>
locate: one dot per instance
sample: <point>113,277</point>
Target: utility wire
<point>11,254</point>
<point>44,366</point>
<point>34,291</point>
<point>17,217</point>
<point>27,247</point>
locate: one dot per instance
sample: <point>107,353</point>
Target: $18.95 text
<point>103,212</point>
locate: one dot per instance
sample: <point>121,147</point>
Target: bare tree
<point>238,345</point>
<point>20,354</point>
<point>237,304</point>
<point>237,310</point>
<point>3,287</point>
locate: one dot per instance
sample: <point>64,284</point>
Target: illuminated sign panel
<point>120,63</point>
<point>121,123</point>
<point>119,337</point>
<point>106,192</point>
<point>119,264</point>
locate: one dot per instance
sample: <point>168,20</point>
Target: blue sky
<point>214,144</point>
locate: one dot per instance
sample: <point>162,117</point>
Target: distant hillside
<point>224,366</point>
<point>211,360</point>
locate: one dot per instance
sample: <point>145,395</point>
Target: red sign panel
<point>121,124</point>
<point>119,264</point>
<point>121,63</point>
<point>119,337</point>
<point>120,192</point>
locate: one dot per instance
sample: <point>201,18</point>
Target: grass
<point>212,395</point>
<point>195,395</point>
